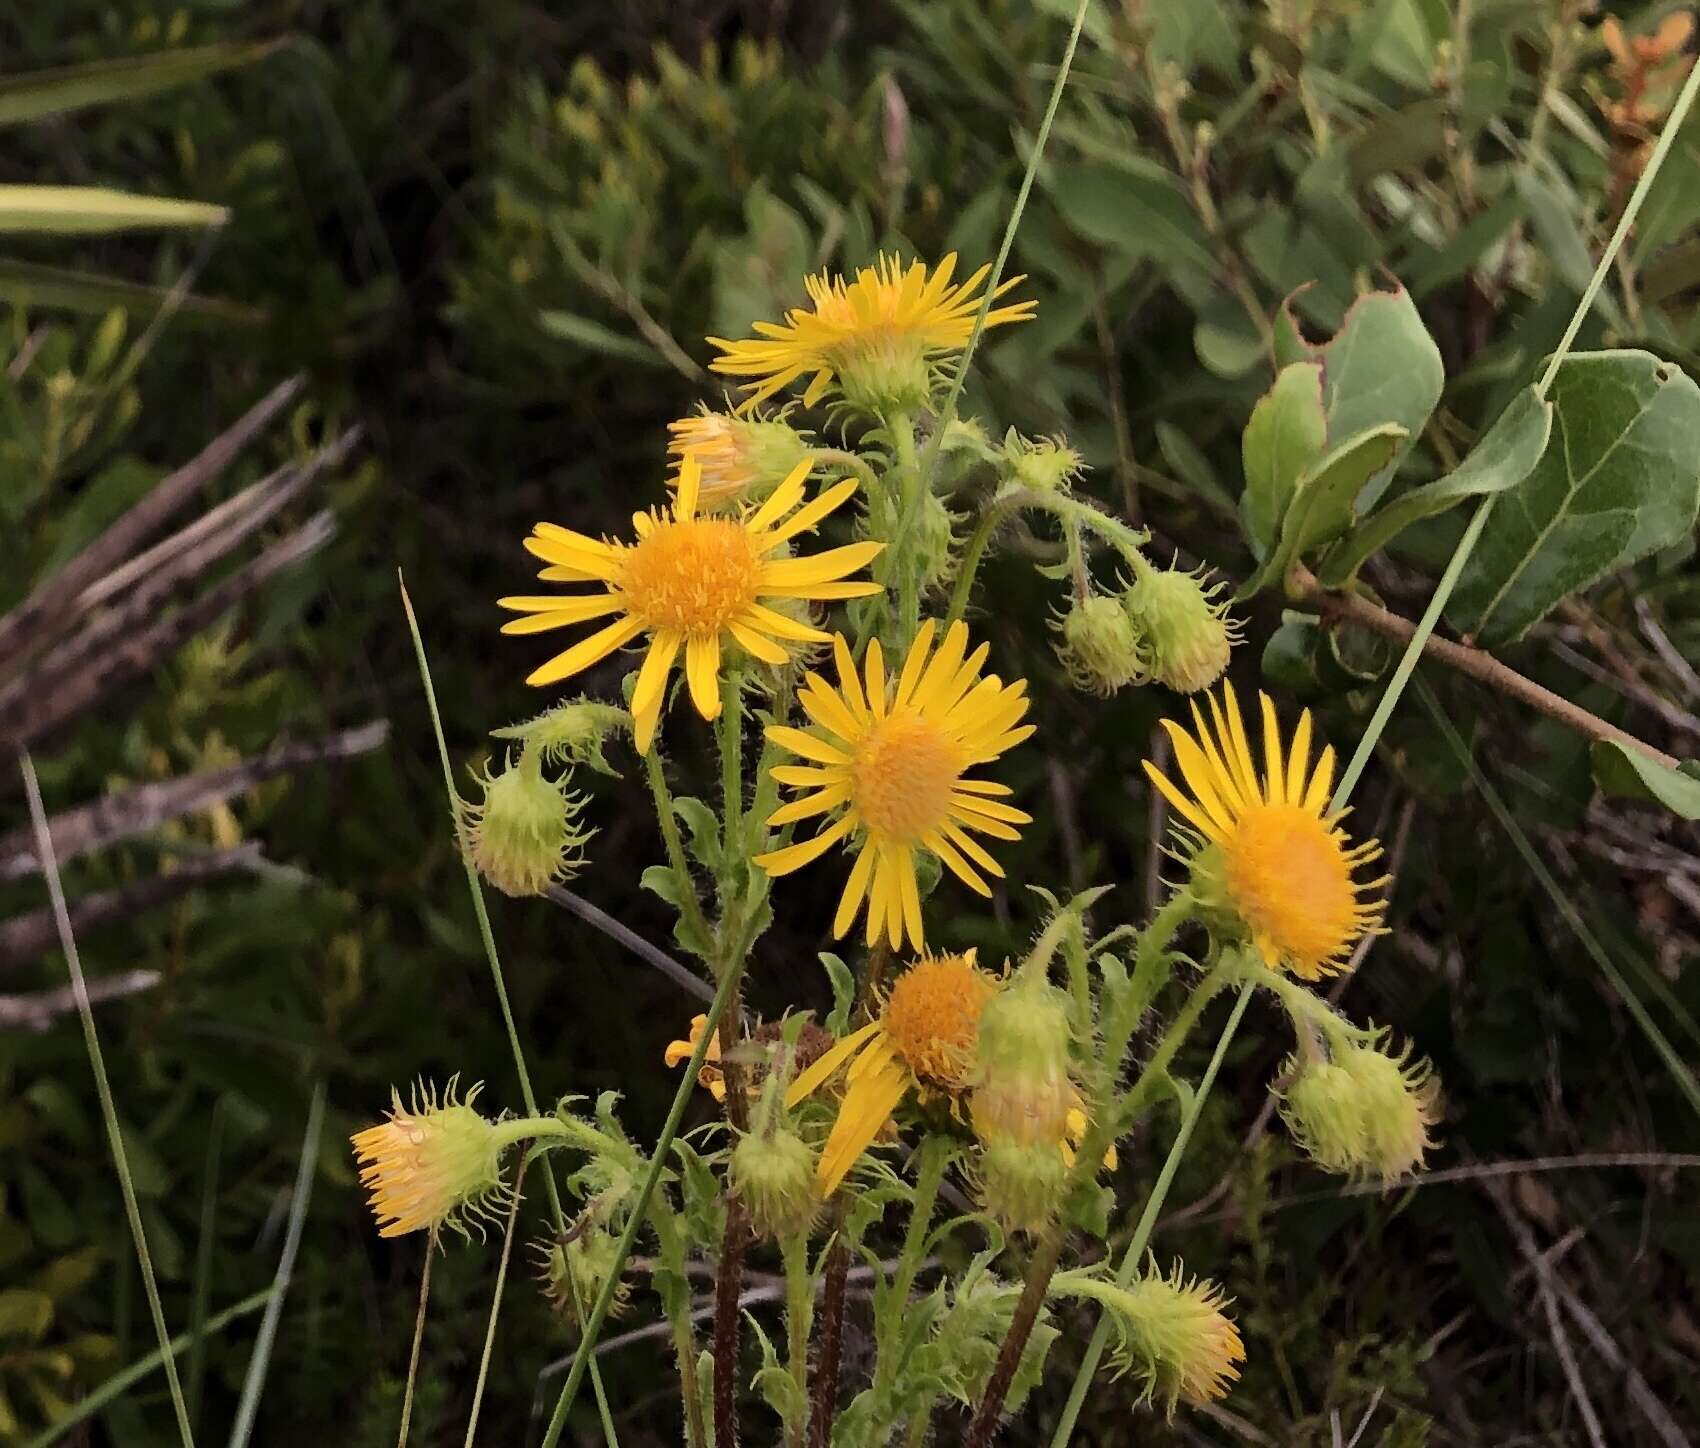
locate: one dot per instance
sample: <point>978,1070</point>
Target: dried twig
<point>681,975</point>
<point>37,1010</point>
<point>105,821</point>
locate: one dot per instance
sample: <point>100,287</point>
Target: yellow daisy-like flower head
<point>876,337</point>
<point>888,761</point>
<point>1272,853</point>
<point>922,1040</point>
<point>690,583</point>
<point>742,459</point>
<point>430,1164</point>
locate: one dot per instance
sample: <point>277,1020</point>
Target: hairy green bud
<point>1046,465</point>
<point>570,733</point>
<point>1322,1109</point>
<point>1189,632</point>
<point>1399,1101</point>
<point>524,834</point>
<point>1101,646</point>
<point>774,1175</point>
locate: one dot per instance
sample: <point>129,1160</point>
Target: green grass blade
<point>34,284</point>
<point>201,1292</point>
<point>103,1086</point>
<point>255,1381</point>
<point>96,210</point>
<point>35,95</point>
<point>126,1378</point>
<point>1680,1073</point>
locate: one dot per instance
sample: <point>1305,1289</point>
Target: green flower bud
<point>1323,1110</point>
<point>880,375</point>
<point>1047,465</point>
<point>524,833</point>
<point>1398,1102</point>
<point>1189,632</point>
<point>934,541</point>
<point>570,733</point>
<point>572,1269</point>
<point>1019,1184</point>
<point>773,1173</point>
<point>1101,646</point>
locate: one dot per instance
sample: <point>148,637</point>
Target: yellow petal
<point>702,672</point>
<point>817,1075</point>
<point>586,652</point>
<point>865,1110</point>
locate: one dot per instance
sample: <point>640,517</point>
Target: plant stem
<point>854,461</point>
<point>103,1087</point>
<point>912,487</point>
<point>933,1158</point>
<point>418,1340</point>
<point>728,1288</point>
<point>1040,1268</point>
<point>672,1252</point>
<point>794,1251</point>
<point>657,1165</point>
<point>730,729</point>
<point>689,906</point>
<point>1477,663</point>
<point>831,1340</point>
<point>496,1303</point>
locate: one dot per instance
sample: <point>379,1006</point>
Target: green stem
<point>623,1248</point>
<point>418,1341</point>
<point>1150,971</point>
<point>799,1319</point>
<point>991,518</point>
<point>103,1087</point>
<point>690,907</point>
<point>729,728</point>
<point>912,486</point>
<point>933,1157</point>
<point>1151,1076</point>
<point>678,1307</point>
<point>496,1304</point>
<point>488,938</point>
<point>1148,1218</point>
<point>857,464</point>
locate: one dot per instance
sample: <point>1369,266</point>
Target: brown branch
<point>120,538</point>
<point>728,1313</point>
<point>105,821</point>
<point>37,1010</point>
<point>24,937</point>
<point>1041,1267</point>
<point>1303,585</point>
<point>829,1335</point>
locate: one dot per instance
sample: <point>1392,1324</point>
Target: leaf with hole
<point>1504,456</point>
<point>1620,478</point>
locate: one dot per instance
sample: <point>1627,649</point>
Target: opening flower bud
<point>743,459</point>
<point>1398,1102</point>
<point>1046,465</point>
<point>774,1174</point>
<point>1322,1110</point>
<point>1189,632</point>
<point>1020,1184</point>
<point>524,833</point>
<point>1101,646</point>
<point>431,1164</point>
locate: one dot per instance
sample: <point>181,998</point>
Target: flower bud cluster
<point>1365,1112</point>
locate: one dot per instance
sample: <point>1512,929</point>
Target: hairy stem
<point>934,1157</point>
<point>1040,1269</point>
<point>728,1288</point>
<point>830,1339</point>
<point>799,1287</point>
<point>690,906</point>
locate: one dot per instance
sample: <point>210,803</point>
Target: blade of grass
<point>488,936</point>
<point>1572,917</point>
<point>496,1304</point>
<point>126,1378</point>
<point>418,1341</point>
<point>103,1087</point>
<point>36,94</point>
<point>202,1290</point>
<point>258,1364</point>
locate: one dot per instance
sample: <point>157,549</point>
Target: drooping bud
<point>1322,1109</point>
<point>743,459</point>
<point>1021,1102</point>
<point>573,1267</point>
<point>1189,631</point>
<point>1398,1102</point>
<point>570,733</point>
<point>1046,465</point>
<point>935,537</point>
<point>1170,1330</point>
<point>1101,646</point>
<point>524,834</point>
<point>431,1164</point>
<point>773,1173</point>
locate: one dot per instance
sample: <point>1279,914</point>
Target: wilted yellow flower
<point>876,336</point>
<point>742,458</point>
<point>1272,854</point>
<point>690,583</point>
<point>887,761</point>
<point>430,1164</point>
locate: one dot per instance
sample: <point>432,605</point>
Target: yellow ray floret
<point>888,309</point>
<point>887,763</point>
<point>1277,854</point>
<point>690,583</point>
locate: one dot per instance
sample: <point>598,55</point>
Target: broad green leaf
<point>1504,456</point>
<point>1621,770</point>
<point>598,338</point>
<point>1619,479</point>
<point>34,94</point>
<point>1322,505</point>
<point>1285,435</point>
<point>74,209</point>
<point>1184,456</point>
<point>1138,211</point>
<point>1189,33</point>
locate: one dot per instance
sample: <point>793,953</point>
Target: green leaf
<point>570,327</point>
<point>1322,505</point>
<point>26,283</point>
<point>1183,455</point>
<point>1501,459</point>
<point>1631,774</point>
<point>1189,33</point>
<point>1555,216</point>
<point>703,827</point>
<point>843,992</point>
<point>35,94</point>
<point>1133,208</point>
<point>66,210</point>
<point>1619,479</point>
<point>1285,435</point>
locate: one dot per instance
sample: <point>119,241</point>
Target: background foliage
<point>495,237</point>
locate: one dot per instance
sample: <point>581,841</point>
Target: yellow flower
<point>889,323</point>
<point>888,764</point>
<point>812,1043</point>
<point>741,459</point>
<point>692,583</point>
<point>429,1163</point>
<point>1276,856</point>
